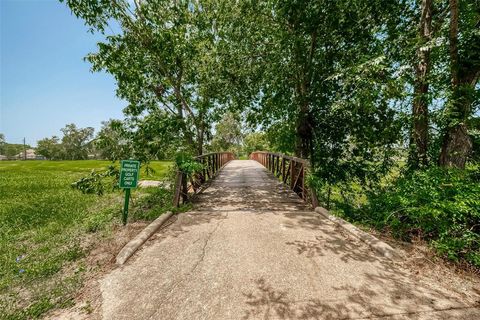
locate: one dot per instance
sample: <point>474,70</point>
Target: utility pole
<point>24,150</point>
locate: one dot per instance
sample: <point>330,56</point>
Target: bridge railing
<point>292,171</point>
<point>186,186</point>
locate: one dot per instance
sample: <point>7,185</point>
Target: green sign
<point>129,170</point>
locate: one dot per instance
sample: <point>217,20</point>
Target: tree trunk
<point>457,145</point>
<point>200,137</point>
<point>304,134</point>
<point>419,136</point>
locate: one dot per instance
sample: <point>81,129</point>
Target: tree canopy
<point>348,84</point>
<point>75,144</point>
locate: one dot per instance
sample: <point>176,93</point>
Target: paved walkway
<point>250,249</point>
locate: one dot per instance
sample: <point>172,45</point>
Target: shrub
<point>439,205</point>
<point>94,182</point>
<point>187,164</point>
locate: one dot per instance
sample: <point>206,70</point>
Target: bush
<point>439,205</point>
<point>94,182</point>
<point>187,164</point>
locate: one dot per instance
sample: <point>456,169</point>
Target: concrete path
<point>250,249</point>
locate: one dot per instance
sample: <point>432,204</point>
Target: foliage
<point>156,202</point>
<point>255,141</point>
<point>163,59</point>
<point>74,145</point>
<point>111,141</point>
<point>475,136</point>
<point>75,141</point>
<point>319,89</point>
<point>154,136</point>
<point>281,137</point>
<point>50,148</point>
<point>12,149</point>
<point>228,134</point>
<point>187,164</point>
<point>95,182</point>
<point>439,205</point>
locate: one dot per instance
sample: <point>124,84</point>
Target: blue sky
<point>44,82</point>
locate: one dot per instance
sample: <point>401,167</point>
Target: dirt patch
<point>153,183</point>
<point>102,250</point>
<point>422,260</point>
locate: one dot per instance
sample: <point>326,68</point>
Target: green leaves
<point>163,60</point>
<point>187,164</point>
<point>439,205</point>
<point>95,182</point>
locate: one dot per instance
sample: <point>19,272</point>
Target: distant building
<point>2,157</point>
<point>29,155</point>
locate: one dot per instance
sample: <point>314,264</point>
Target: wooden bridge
<point>253,248</point>
<point>290,171</point>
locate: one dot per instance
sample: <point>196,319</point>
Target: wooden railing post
<point>204,173</point>
<point>184,188</point>
<point>303,182</point>
<point>214,164</point>
<point>178,190</point>
<point>277,170</point>
<point>292,175</point>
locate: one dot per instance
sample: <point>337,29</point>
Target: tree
<point>155,136</point>
<point>464,46</point>
<point>162,59</point>
<point>255,141</point>
<point>50,148</point>
<point>112,141</point>
<point>2,143</point>
<point>228,134</point>
<point>75,142</point>
<point>12,149</point>
<point>419,136</point>
<point>320,88</point>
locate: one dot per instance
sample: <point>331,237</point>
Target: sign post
<point>129,170</point>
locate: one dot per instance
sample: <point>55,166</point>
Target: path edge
<point>379,246</point>
<point>133,245</point>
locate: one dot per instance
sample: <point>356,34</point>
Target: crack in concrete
<point>175,284</point>
<point>202,255</point>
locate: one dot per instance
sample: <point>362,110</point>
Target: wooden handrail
<point>186,187</point>
<point>292,171</point>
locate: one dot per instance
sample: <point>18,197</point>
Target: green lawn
<point>43,224</point>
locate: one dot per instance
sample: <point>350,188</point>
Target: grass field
<point>44,223</point>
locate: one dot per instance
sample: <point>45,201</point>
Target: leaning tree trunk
<point>419,135</point>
